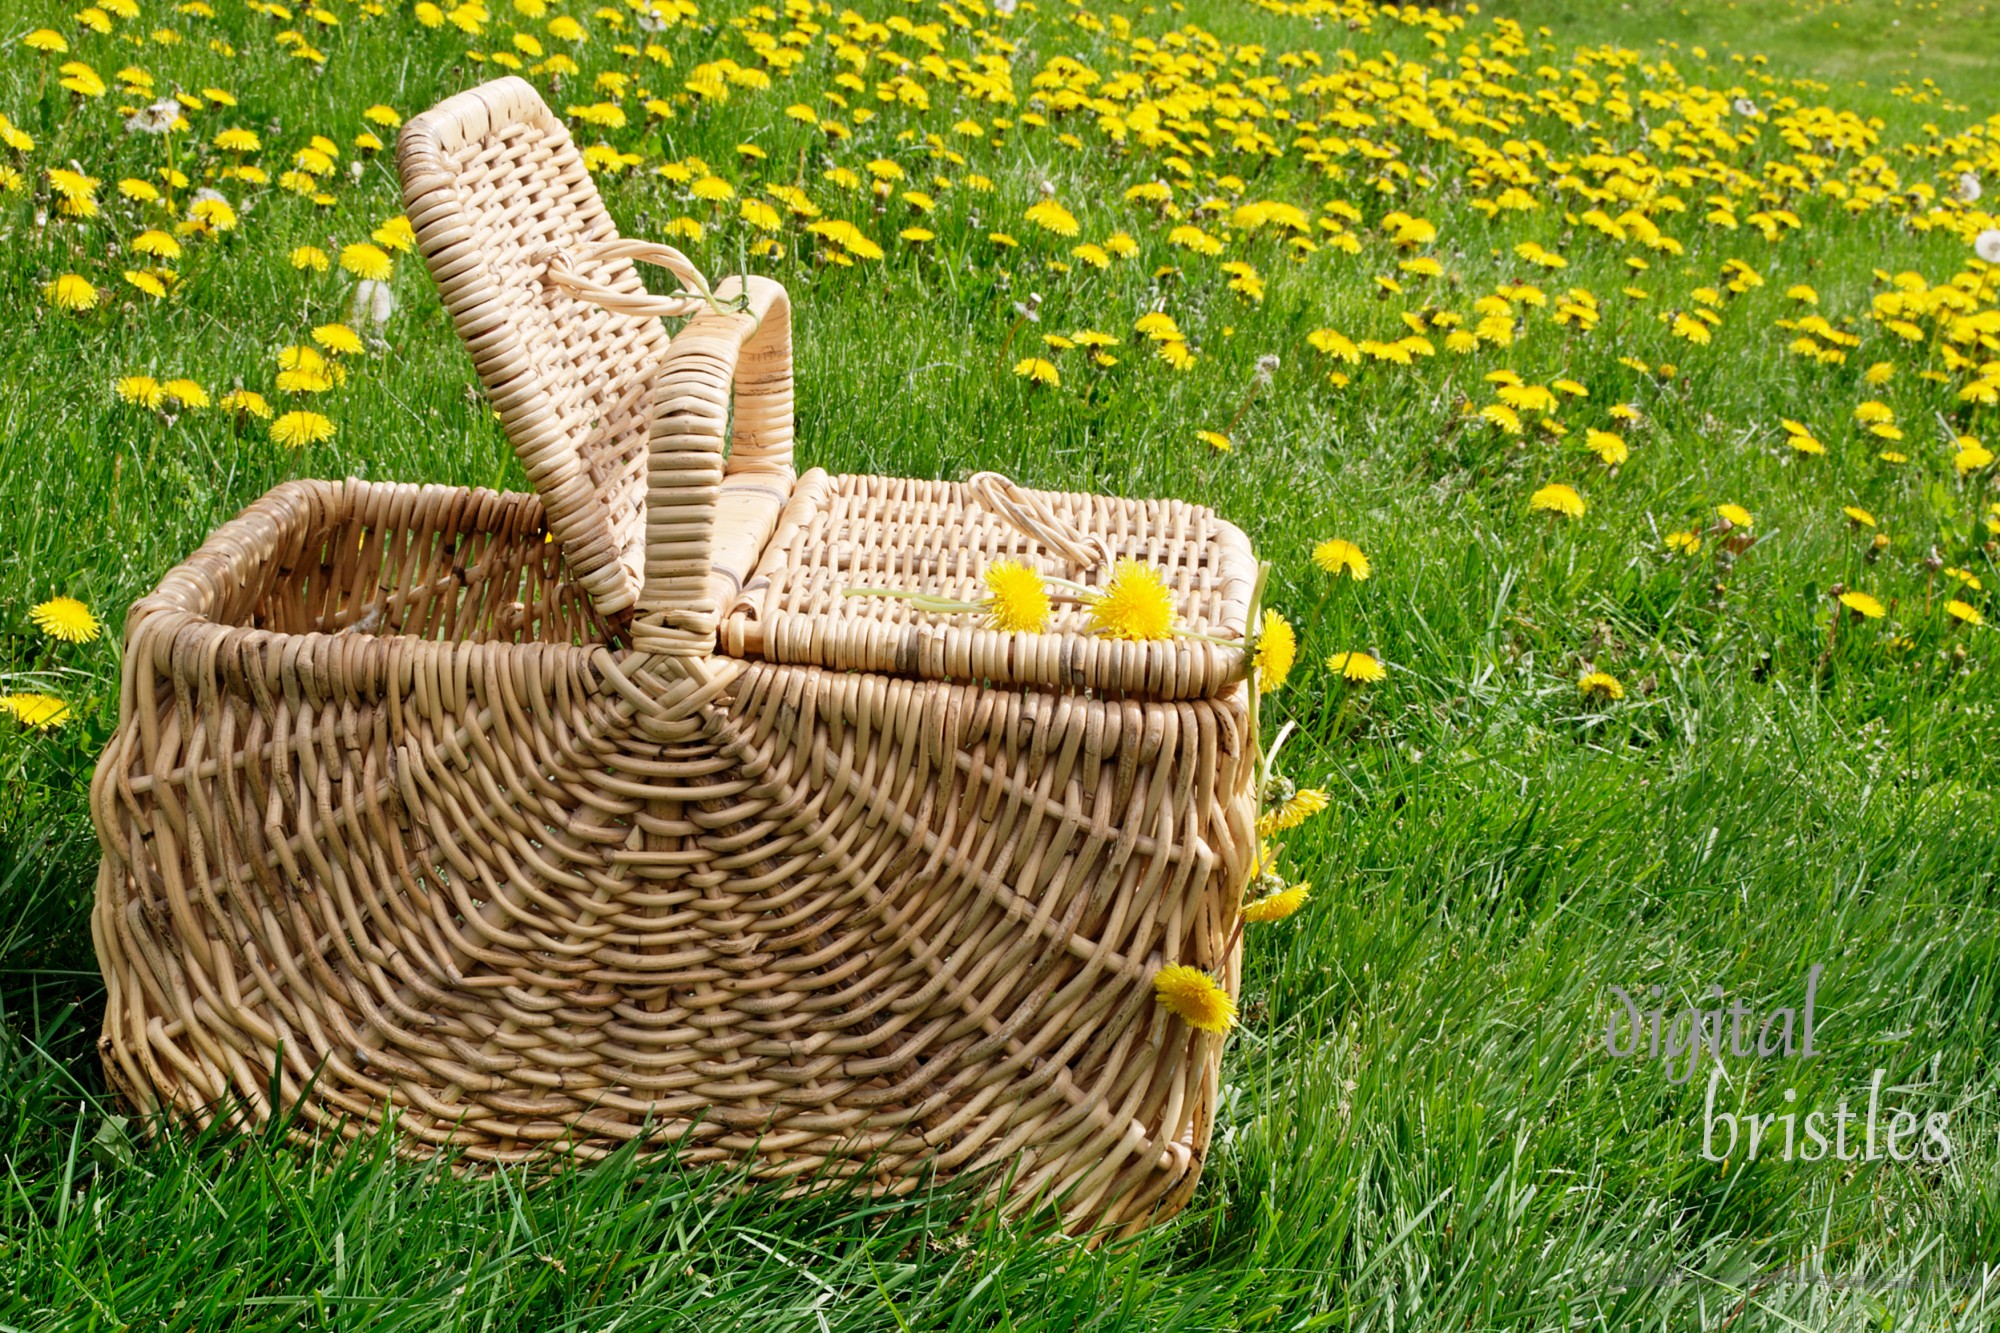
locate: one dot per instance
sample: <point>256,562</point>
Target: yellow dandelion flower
<point>214,214</point>
<point>1037,371</point>
<point>247,403</point>
<point>1686,543</point>
<point>1858,516</point>
<point>395,234</point>
<point>1337,556</point>
<point>1971,455</point>
<point>1360,667</point>
<point>1303,805</point>
<point>40,711</point>
<point>1861,604</point>
<point>46,40</point>
<point>156,243</point>
<point>144,390</point>
<point>365,261</point>
<point>1277,906</point>
<point>1195,998</point>
<point>713,189</point>
<point>304,380</point>
<point>185,392</point>
<point>1600,685</point>
<point>238,141</point>
<point>67,619</point>
<point>1017,600</point>
<point>1556,498</point>
<point>146,283</point>
<point>1735,515</point>
<point>1052,217</point>
<point>1214,439</point>
<point>1134,603</point>
<point>298,429</point>
<point>70,292</point>
<point>1277,650</point>
<point>1964,611</point>
<point>312,257</point>
<point>1690,328</point>
<point>1606,445</point>
<point>338,338</point>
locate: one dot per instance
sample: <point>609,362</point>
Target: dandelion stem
<point>1008,344</point>
<point>921,600</point>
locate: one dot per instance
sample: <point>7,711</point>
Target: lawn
<point>1644,352</point>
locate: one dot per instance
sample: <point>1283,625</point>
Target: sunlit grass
<point>1420,1128</point>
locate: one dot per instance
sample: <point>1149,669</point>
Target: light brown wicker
<point>404,808</point>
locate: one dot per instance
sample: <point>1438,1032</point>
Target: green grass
<point>1420,1128</point>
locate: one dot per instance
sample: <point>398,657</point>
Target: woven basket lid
<point>938,537</point>
<point>494,186</point>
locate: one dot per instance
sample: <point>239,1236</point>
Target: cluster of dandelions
<point>66,621</point>
<point>1135,604</point>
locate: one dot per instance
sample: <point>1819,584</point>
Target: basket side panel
<point>535,900</point>
<point>255,794</point>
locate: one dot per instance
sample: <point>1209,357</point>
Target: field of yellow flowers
<point>1618,409</point>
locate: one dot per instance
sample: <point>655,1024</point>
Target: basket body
<point>391,811</point>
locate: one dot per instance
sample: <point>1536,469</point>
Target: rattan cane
<point>402,808</point>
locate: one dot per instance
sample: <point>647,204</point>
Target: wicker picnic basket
<point>542,823</point>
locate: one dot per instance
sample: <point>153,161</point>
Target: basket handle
<point>749,351</point>
<point>560,271</point>
<point>1032,516</point>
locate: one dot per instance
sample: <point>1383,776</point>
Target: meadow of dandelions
<point>1440,179</point>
